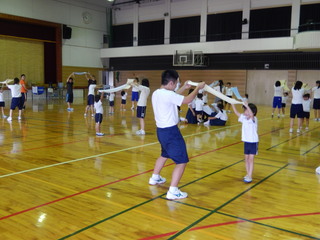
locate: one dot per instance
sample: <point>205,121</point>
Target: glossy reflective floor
<point>60,181</point>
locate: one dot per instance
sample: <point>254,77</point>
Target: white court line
<point>108,153</point>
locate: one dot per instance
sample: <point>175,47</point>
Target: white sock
<point>173,189</point>
<point>155,176</point>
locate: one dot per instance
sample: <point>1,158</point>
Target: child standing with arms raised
<point>249,136</point>
<point>16,98</point>
<point>99,113</point>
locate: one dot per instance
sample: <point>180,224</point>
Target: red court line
<point>229,223</point>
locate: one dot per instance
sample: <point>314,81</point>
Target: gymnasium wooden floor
<point>60,181</point>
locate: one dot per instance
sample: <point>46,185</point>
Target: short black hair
<point>199,95</point>
<point>16,80</point>
<point>298,85</point>
<point>145,82</point>
<point>277,84</point>
<point>253,108</point>
<point>123,93</point>
<point>169,76</point>
<point>306,95</point>
<point>220,106</point>
<point>97,98</point>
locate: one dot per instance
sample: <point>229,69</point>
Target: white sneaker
<point>100,134</point>
<point>9,119</point>
<point>306,128</point>
<point>4,116</point>
<point>155,182</point>
<point>247,179</point>
<point>92,115</point>
<point>140,132</point>
<point>19,118</point>
<point>298,130</point>
<point>291,130</point>
<point>177,195</point>
<point>85,115</point>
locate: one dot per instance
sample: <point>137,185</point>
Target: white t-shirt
<point>208,110</point>
<point>91,89</point>
<point>306,104</point>
<point>192,104</point>
<point>222,115</point>
<point>278,91</point>
<point>249,129</point>
<point>297,96</point>
<point>316,92</point>
<point>15,90</point>
<point>217,88</point>
<point>229,91</point>
<point>98,107</point>
<point>164,103</point>
<point>284,99</point>
<point>199,104</point>
<point>144,93</point>
<point>135,89</point>
<point>124,96</point>
<point>111,97</point>
<point>1,97</point>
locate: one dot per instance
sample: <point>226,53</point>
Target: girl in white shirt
<point>296,105</point>
<point>142,104</point>
<point>123,100</point>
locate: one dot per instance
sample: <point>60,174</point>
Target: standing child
<point>69,96</point>
<point>123,100</point>
<point>111,103</point>
<point>191,116</point>
<point>2,103</point>
<point>142,104</point>
<point>199,107</point>
<point>16,98</point>
<point>229,94</point>
<point>135,94</point>
<point>306,105</point>
<point>284,103</point>
<point>99,113</point>
<point>296,108</point>
<point>277,98</point>
<point>249,136</point>
<point>164,103</point>
<point>92,84</point>
<point>316,101</point>
<point>24,90</point>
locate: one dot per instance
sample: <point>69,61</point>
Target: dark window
<point>184,30</point>
<point>224,26</point>
<point>122,35</point>
<point>309,17</point>
<point>151,33</point>
<point>271,22</point>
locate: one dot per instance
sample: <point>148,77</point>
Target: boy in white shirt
<point>111,102</point>
<point>199,107</point>
<point>123,100</point>
<point>16,98</point>
<point>284,102</point>
<point>92,84</point>
<point>164,103</point>
<point>249,136</point>
<point>142,103</point>
<point>99,113</point>
<point>306,105</point>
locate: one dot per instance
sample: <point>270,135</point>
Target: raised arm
<point>71,75</point>
<point>193,94</point>
<point>235,110</point>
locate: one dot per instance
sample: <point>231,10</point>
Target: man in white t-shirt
<point>164,103</point>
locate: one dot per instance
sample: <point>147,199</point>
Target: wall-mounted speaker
<point>66,32</point>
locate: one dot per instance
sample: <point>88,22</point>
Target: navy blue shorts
<point>172,144</point>
<point>111,103</point>
<point>98,117</point>
<point>141,111</point>
<point>296,110</point>
<point>306,115</point>
<point>2,104</point>
<point>24,97</point>
<point>135,96</point>
<point>277,102</point>
<point>90,100</point>
<point>123,101</point>
<point>69,98</point>
<point>199,112</point>
<point>316,103</point>
<point>16,102</point>
<point>283,105</point>
<point>250,148</point>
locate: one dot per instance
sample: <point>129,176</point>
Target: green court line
<point>138,205</point>
<point>267,225</point>
<point>223,205</point>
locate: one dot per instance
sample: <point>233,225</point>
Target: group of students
<point>94,100</point>
<point>300,103</point>
<point>19,97</point>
